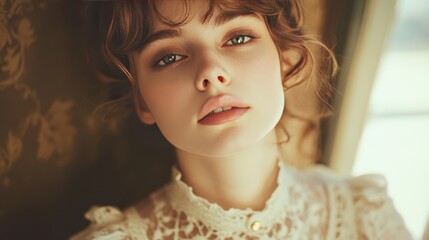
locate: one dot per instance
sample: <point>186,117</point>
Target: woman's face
<point>186,71</point>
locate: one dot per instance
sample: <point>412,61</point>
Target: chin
<point>231,145</point>
<point>222,151</point>
<point>232,140</point>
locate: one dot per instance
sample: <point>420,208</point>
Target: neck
<point>243,180</point>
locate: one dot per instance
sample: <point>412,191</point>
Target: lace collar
<point>236,220</point>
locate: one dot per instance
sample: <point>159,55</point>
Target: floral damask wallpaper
<point>56,133</point>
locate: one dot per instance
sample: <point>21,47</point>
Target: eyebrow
<point>221,19</point>
<point>163,34</point>
<point>225,17</point>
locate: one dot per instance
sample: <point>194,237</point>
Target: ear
<point>142,111</point>
<point>288,59</point>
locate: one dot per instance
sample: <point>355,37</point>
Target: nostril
<point>221,79</point>
<point>205,82</point>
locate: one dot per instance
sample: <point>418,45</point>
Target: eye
<point>168,59</point>
<point>239,39</point>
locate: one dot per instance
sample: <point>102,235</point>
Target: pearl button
<point>256,225</point>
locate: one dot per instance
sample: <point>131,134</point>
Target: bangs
<point>135,21</point>
<point>228,8</point>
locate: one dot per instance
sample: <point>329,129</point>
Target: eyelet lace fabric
<point>310,204</point>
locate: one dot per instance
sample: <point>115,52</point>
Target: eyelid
<point>239,32</point>
<point>155,65</point>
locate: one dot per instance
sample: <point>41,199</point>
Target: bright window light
<point>395,141</point>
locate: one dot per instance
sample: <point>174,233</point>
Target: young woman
<point>212,75</point>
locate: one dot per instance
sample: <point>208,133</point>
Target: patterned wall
<point>25,107</point>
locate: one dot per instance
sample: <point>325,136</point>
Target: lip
<point>221,101</point>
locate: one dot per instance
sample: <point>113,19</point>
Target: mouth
<point>218,110</point>
<point>221,108</point>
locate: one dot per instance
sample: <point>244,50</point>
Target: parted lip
<point>219,101</point>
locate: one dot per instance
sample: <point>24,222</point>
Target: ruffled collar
<point>183,199</point>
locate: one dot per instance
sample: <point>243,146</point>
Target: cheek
<point>161,98</point>
<point>160,91</point>
<point>157,95</point>
<point>262,79</point>
<point>169,101</point>
<point>260,69</point>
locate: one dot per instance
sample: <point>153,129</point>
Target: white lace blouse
<point>310,204</point>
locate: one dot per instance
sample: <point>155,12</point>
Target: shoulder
<point>362,188</point>
<point>368,189</point>
<point>321,176</point>
<point>136,222</point>
<point>106,222</point>
<point>376,215</point>
<point>369,204</point>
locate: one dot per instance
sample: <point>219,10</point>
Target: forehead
<point>174,13</point>
<point>173,10</point>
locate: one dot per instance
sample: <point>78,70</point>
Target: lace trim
<point>309,204</point>
<point>107,223</point>
<point>104,215</point>
<point>342,214</point>
<point>376,215</point>
<point>341,224</point>
<point>135,224</point>
<point>231,220</point>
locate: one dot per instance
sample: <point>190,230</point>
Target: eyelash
<point>244,36</point>
<point>161,62</point>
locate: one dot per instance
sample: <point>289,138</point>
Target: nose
<point>211,74</point>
